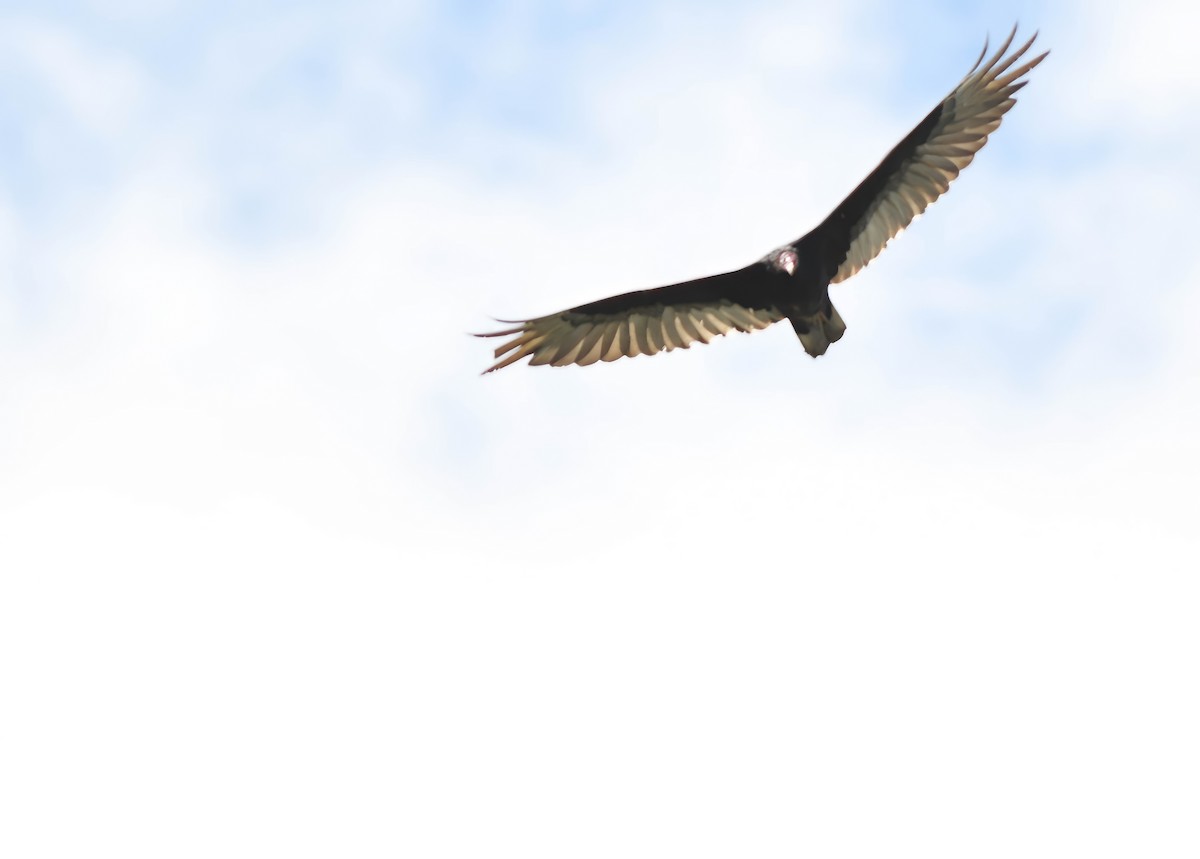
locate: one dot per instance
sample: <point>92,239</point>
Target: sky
<point>284,575</point>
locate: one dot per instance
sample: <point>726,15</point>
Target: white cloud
<point>1129,67</point>
<point>286,574</point>
<point>101,87</point>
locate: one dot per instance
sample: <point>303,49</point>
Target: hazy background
<point>283,576</point>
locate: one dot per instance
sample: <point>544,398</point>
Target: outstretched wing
<point>921,167</point>
<point>643,322</point>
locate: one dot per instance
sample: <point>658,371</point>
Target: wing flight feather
<point>642,323</point>
<point>921,168</point>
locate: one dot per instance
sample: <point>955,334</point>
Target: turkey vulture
<point>791,282</point>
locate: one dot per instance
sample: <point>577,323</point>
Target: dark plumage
<point>791,282</point>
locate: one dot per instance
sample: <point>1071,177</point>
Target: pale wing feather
<point>576,338</point>
<point>969,114</point>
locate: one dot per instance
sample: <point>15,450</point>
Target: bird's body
<point>791,282</point>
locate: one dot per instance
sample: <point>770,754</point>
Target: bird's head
<point>784,259</point>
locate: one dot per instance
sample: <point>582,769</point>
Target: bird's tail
<point>818,330</point>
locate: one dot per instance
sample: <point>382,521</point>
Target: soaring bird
<point>791,282</point>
